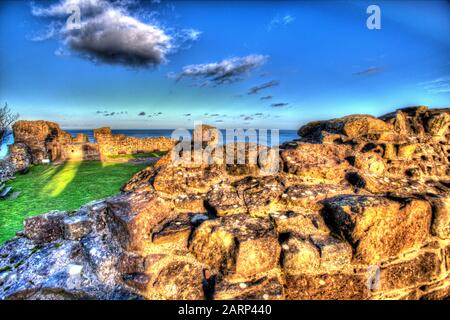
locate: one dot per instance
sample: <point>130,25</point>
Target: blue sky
<point>316,60</point>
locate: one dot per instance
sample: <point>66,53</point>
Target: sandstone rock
<point>379,228</point>
<point>174,230</point>
<point>327,287</point>
<point>133,216</point>
<point>140,180</point>
<point>303,224</point>
<point>43,138</point>
<point>181,180</point>
<point>352,126</point>
<point>364,125</point>
<point>421,269</point>
<point>442,293</point>
<point>300,256</point>
<point>80,138</point>
<point>236,244</point>
<point>99,132</point>
<point>441,217</point>
<point>438,124</point>
<point>335,254</point>
<point>317,162</point>
<point>190,203</point>
<point>179,281</point>
<point>406,151</point>
<point>267,287</point>
<point>19,155</point>
<point>317,255</point>
<point>52,272</point>
<point>305,196</point>
<point>224,199</point>
<point>260,194</point>
<point>370,162</point>
<point>206,134</point>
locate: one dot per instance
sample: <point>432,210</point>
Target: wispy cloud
<point>369,71</point>
<point>266,98</point>
<point>279,105</point>
<point>438,85</point>
<point>109,33</point>
<point>225,71</point>
<point>263,86</point>
<point>281,21</point>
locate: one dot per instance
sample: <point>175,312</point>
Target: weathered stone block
<point>260,194</point>
<point>177,180</point>
<point>299,256</point>
<point>133,216</point>
<point>378,228</point>
<point>138,281</point>
<point>317,255</point>
<point>237,244</point>
<point>102,256</point>
<point>303,224</point>
<point>317,162</point>
<point>436,291</point>
<point>335,254</point>
<point>130,262</point>
<point>421,269</point>
<point>327,287</point>
<point>190,203</point>
<point>178,280</point>
<point>370,162</point>
<point>45,228</point>
<point>441,217</point>
<point>438,124</point>
<point>447,258</point>
<point>76,227</point>
<point>225,200</point>
<point>268,287</point>
<point>175,231</point>
<point>406,151</point>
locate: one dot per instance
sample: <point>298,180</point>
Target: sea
<point>284,135</point>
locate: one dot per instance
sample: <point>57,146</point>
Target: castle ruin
<point>36,142</point>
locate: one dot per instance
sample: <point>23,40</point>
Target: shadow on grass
<point>65,187</point>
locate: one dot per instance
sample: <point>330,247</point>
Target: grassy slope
<point>64,187</point>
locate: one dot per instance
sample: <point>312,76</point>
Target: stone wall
<point>46,140</point>
<point>118,144</point>
<point>343,218</point>
<point>80,151</point>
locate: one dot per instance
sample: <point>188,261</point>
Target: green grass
<point>138,155</point>
<point>64,187</point>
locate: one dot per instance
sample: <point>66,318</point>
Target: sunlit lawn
<point>64,187</point>
<point>138,155</point>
